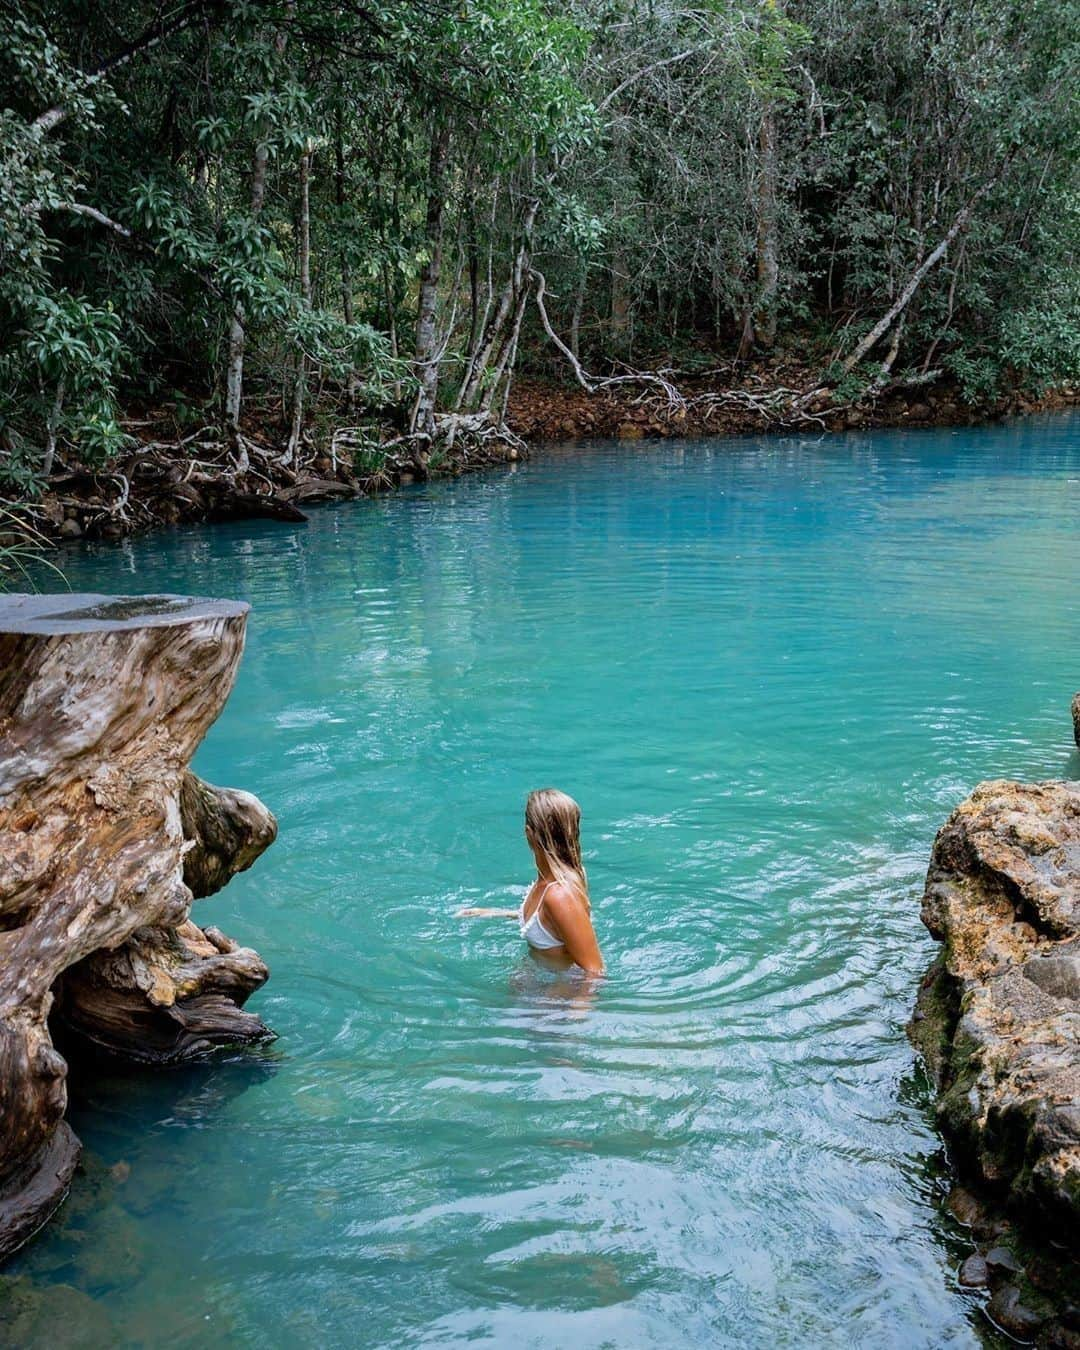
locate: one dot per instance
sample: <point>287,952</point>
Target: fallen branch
<point>916,279</point>
<point>593,384</point>
<point>777,406</point>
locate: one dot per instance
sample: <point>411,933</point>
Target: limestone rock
<point>1001,1024</point>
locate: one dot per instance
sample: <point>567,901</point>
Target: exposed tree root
<point>776,405</point>
<point>216,473</point>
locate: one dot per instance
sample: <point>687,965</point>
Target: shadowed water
<point>768,669</point>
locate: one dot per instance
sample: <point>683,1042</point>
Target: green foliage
<point>848,387</point>
<point>168,148</point>
<point>369,460</point>
<point>1040,339</point>
<point>771,42</point>
<point>673,170</point>
<point>21,549</point>
<point>977,374</point>
<point>1043,342</point>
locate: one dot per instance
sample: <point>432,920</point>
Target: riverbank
<point>170,476</point>
<point>541,410</point>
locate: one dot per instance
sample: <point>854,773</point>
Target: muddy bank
<point>739,404</point>
<point>167,478</point>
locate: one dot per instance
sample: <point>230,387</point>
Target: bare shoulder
<point>564,900</point>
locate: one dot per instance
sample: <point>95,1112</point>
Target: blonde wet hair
<point>553,824</point>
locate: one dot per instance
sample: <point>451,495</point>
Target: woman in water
<point>555,917</point>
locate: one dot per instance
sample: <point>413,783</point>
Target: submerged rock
<point>973,1273</point>
<point>105,838</point>
<point>63,1318</point>
<point>1008,1311</point>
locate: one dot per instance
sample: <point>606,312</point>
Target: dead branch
<point>92,213</point>
<point>778,406</point>
<point>157,32</point>
<point>916,279</point>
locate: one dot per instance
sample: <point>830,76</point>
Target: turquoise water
<point>767,669</point>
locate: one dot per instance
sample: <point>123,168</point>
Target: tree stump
<point>105,839</point>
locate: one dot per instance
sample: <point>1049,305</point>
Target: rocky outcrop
<point>998,1022</point>
<point>105,839</point>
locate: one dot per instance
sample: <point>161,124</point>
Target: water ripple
<point>767,669</point>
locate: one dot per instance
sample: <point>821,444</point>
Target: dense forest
<point>299,223</point>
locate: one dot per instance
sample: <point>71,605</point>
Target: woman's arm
<point>472,912</point>
<point>569,916</point>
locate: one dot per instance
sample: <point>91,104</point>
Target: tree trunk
<point>292,454</point>
<point>51,428</point>
<point>767,249</point>
<point>352,384</point>
<point>620,304</point>
<point>916,279</point>
<point>619,312</point>
<point>575,317</point>
<point>473,253</point>
<point>950,307</point>
<point>426,356</point>
<point>511,358</point>
<point>507,353</point>
<point>234,378</point>
<point>391,327</point>
<point>746,337</point>
<point>515,286</point>
<point>104,838</point>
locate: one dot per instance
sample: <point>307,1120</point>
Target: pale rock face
<point>105,837</point>
<point>999,1018</point>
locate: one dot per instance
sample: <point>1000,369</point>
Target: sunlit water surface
<point>767,669</point>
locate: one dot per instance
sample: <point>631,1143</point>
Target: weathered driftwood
<point>105,837</point>
<point>170,994</point>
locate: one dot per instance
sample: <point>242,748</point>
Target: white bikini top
<point>532,928</point>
